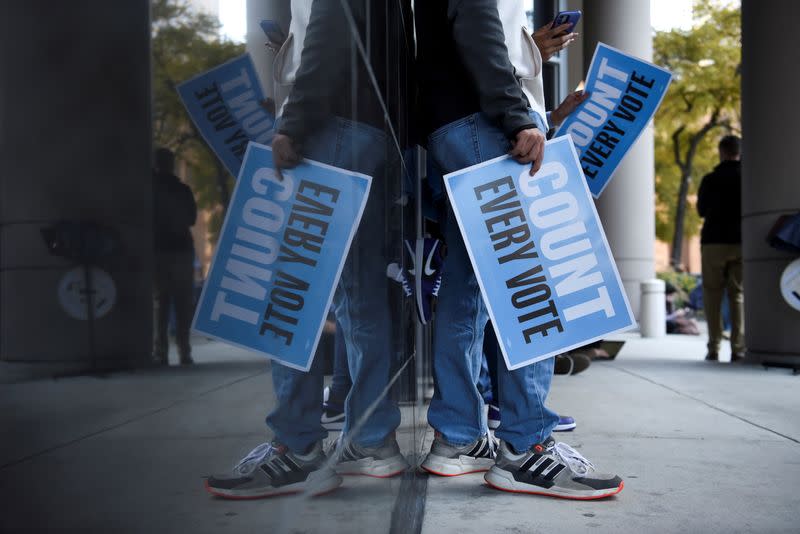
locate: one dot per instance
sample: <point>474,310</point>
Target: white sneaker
<point>552,469</point>
<point>379,462</point>
<point>271,470</point>
<point>448,460</point>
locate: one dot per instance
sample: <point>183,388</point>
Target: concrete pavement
<point>702,447</point>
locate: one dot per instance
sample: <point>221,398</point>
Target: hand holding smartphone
<point>274,33</point>
<point>556,36</point>
<point>567,17</point>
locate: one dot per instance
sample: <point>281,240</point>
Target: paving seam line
<point>408,513</point>
<point>128,421</point>
<point>701,401</point>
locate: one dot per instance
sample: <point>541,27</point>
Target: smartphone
<point>273,32</point>
<point>567,17</point>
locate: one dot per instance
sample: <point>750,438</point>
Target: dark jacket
<point>334,80</point>
<point>463,66</point>
<point>719,202</point>
<point>174,211</point>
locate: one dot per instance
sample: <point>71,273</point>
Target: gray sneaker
<point>270,470</point>
<point>449,460</point>
<point>553,469</point>
<point>379,462</point>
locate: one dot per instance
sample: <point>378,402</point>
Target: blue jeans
<point>360,304</point>
<point>341,384</point>
<point>487,381</point>
<point>457,408</point>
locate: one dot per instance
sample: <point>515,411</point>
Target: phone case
<point>564,17</point>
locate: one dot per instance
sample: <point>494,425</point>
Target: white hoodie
<point>523,53</point>
<point>287,60</point>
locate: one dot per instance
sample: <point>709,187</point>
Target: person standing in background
<point>175,211</point>
<point>719,202</point>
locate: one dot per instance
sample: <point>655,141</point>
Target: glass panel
<point>358,410</point>
<point>338,87</point>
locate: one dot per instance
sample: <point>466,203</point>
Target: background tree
<point>184,44</point>
<point>703,103</point>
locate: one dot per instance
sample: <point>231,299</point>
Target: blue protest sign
<point>279,256</point>
<point>540,255</point>
<point>225,105</point>
<point>624,94</point>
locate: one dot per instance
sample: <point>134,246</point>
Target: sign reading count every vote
<point>225,105</point>
<point>624,94</point>
<point>540,255</point>
<point>280,255</point>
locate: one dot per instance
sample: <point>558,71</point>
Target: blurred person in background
<point>175,212</point>
<point>719,202</point>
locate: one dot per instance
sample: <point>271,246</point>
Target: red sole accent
<point>454,475</point>
<point>592,498</point>
<point>215,493</point>
<point>325,492</point>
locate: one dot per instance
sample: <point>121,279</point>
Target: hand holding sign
<point>566,107</point>
<point>540,255</point>
<point>284,154</point>
<point>529,148</point>
<point>228,107</point>
<point>280,255</point>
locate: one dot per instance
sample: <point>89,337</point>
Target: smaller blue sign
<point>280,255</point>
<point>624,94</point>
<point>225,104</point>
<point>540,255</point>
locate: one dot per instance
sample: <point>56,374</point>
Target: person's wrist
<point>513,134</point>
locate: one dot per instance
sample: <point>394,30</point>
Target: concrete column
<point>770,180</point>
<point>258,10</point>
<point>75,142</point>
<point>627,207</point>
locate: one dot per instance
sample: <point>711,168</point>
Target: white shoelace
<point>573,459</point>
<point>248,464</point>
<point>492,445</point>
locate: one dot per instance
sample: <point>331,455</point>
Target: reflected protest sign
<point>540,255</point>
<point>279,256</point>
<point>225,103</point>
<point>624,94</point>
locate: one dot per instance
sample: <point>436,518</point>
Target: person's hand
<point>269,105</point>
<point>551,40</point>
<point>566,107</point>
<point>284,154</point>
<point>529,148</point>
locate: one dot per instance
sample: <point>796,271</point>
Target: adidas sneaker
<point>449,460</point>
<point>271,470</point>
<point>380,462</point>
<point>552,469</point>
